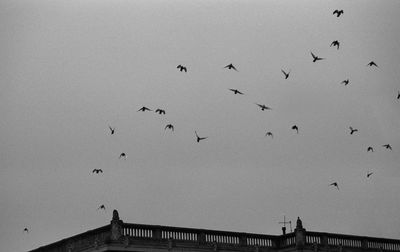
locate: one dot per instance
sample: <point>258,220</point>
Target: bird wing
<point>239,92</point>
<point>335,12</point>
<point>234,68</point>
<point>312,54</point>
<point>284,72</point>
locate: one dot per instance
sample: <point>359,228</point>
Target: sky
<point>71,69</point>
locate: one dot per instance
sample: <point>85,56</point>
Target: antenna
<point>284,222</point>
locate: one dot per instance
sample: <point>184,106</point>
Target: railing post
<point>116,226</point>
<point>324,241</point>
<point>201,238</point>
<point>157,234</point>
<point>364,243</point>
<point>242,240</point>
<point>300,234</point>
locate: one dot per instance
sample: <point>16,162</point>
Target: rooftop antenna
<point>284,222</point>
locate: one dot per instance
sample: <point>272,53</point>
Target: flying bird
<point>387,146</point>
<point>143,109</point>
<point>112,130</point>
<point>369,174</point>
<point>335,184</point>
<point>335,43</point>
<point>26,230</point>
<point>199,138</point>
<point>102,207</point>
<point>97,171</point>
<point>345,82</point>
<point>169,126</point>
<point>235,91</point>
<point>352,130</point>
<point>370,149</point>
<point>372,64</point>
<point>294,127</point>
<point>122,155</point>
<point>285,73</point>
<point>398,95</point>
<point>338,13</point>
<point>315,58</point>
<point>269,133</point>
<point>160,111</point>
<point>263,107</point>
<point>231,66</point>
<point>182,68</point>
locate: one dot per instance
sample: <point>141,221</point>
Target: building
<point>120,236</point>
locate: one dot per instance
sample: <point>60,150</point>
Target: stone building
<point>120,236</point>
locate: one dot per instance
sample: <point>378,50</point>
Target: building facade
<point>120,236</point>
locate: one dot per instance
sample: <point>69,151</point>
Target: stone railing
<point>199,236</point>
<point>351,241</point>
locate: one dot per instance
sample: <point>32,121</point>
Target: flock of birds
<point>263,107</point>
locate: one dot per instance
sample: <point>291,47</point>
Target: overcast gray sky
<point>69,69</point>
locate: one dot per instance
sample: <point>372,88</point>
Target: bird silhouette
<point>97,171</point>
<point>315,58</point>
<point>169,126</point>
<point>294,127</point>
<point>112,130</point>
<point>398,95</point>
<point>345,82</point>
<point>143,109</point>
<point>352,130</point>
<point>122,155</point>
<point>160,111</point>
<point>370,149</point>
<point>231,66</point>
<point>269,133</point>
<point>181,68</point>
<point>372,64</point>
<point>369,174</point>
<point>285,73</point>
<point>26,230</point>
<point>387,146</point>
<point>199,138</point>
<point>263,107</point>
<point>335,43</point>
<point>338,13</point>
<point>335,184</point>
<point>101,207</point>
<point>235,91</point>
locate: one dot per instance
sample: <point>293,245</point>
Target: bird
<point>338,13</point>
<point>285,73</point>
<point>398,95</point>
<point>352,130</point>
<point>346,82</point>
<point>294,127</point>
<point>235,91</point>
<point>369,174</point>
<point>335,43</point>
<point>97,171</point>
<point>112,130</point>
<point>26,230</point>
<point>122,155</point>
<point>199,138</point>
<point>169,126</point>
<point>335,184</point>
<point>182,68</point>
<point>231,66</point>
<point>160,111</point>
<point>370,149</point>
<point>315,58</point>
<point>387,146</point>
<point>372,64</point>
<point>101,207</point>
<point>263,107</point>
<point>143,109</point>
<point>269,133</point>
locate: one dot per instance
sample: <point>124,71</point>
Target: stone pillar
<point>300,234</point>
<point>116,226</point>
